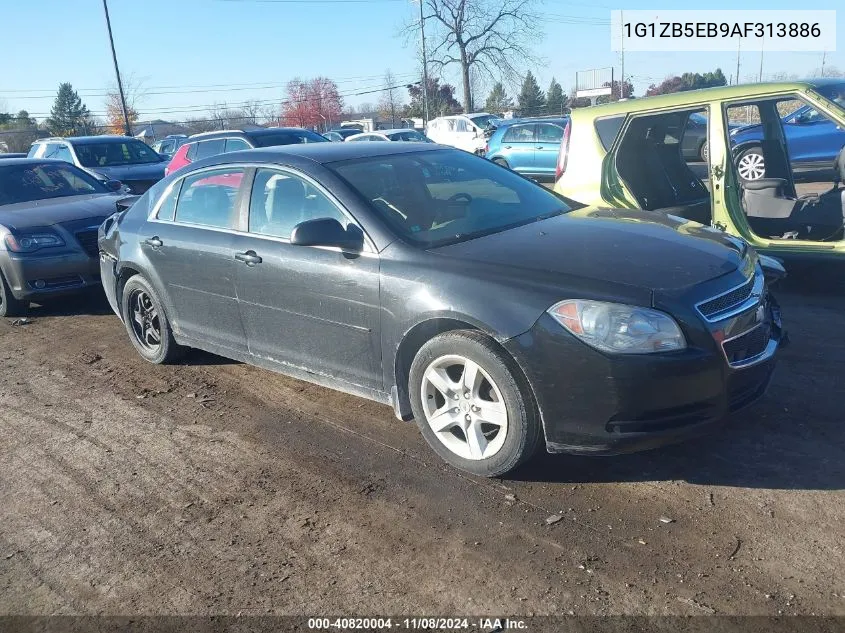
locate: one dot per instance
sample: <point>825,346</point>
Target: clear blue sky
<point>185,52</point>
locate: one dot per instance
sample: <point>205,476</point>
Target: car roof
<point>395,130</point>
<point>702,95</point>
<point>508,122</point>
<point>227,133</point>
<point>322,153</point>
<point>82,140</point>
<point>33,161</point>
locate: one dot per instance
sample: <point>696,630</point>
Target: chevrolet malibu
<point>497,314</point>
<point>49,215</point>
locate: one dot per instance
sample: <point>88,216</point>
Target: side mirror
<point>114,185</point>
<point>328,232</point>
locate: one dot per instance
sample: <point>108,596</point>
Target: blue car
<point>813,141</point>
<point>528,146</point>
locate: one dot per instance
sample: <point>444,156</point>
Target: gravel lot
<point>212,487</point>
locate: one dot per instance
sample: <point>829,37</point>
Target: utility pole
<point>425,64</point>
<point>824,56</point>
<point>738,48</point>
<point>622,49</point>
<point>127,129</point>
<point>761,64</point>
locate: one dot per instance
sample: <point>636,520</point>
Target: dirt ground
<point>212,487</point>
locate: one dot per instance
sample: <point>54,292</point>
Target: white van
<point>464,131</point>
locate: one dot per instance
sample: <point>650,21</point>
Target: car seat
<point>773,213</point>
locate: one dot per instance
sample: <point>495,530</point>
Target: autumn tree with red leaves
<point>313,103</point>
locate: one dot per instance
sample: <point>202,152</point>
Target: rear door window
<point>520,134</point>
<point>549,133</point>
<point>208,198</point>
<point>210,148</point>
<point>236,145</point>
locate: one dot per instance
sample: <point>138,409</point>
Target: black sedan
<point>494,312</point>
<point>49,215</point>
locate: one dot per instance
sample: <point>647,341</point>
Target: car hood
<point>742,128</point>
<point>145,171</point>
<point>642,249</point>
<point>58,211</point>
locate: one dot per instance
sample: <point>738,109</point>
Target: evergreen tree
<point>555,99</point>
<point>531,99</point>
<point>498,100</point>
<point>69,116</point>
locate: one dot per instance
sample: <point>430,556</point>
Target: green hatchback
<point>678,154</point>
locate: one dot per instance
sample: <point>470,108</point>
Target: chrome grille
<point>749,345</point>
<point>726,302</point>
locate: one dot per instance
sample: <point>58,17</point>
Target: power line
<point>260,85</point>
<point>234,106</point>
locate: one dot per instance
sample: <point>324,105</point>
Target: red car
<point>208,144</point>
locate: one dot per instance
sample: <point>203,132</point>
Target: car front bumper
<point>599,404</point>
<point>38,275</point>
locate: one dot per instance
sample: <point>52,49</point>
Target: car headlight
<point>618,328</point>
<point>30,242</point>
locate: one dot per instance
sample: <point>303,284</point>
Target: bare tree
<point>251,111</point>
<point>487,39</point>
<point>390,103</point>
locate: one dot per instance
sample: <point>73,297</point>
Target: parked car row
<point>626,309</point>
<point>208,144</point>
<point>110,159</point>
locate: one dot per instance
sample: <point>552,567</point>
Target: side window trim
<point>369,245</point>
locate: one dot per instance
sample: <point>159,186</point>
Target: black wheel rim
<point>146,324</point>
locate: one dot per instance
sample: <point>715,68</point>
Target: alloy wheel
<point>752,166</point>
<point>146,324</point>
<point>464,407</point>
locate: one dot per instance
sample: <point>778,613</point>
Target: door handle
<point>155,242</point>
<point>539,147</point>
<point>250,258</point>
<point>508,146</point>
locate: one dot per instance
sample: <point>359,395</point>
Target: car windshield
<point>115,153</point>
<point>288,137</point>
<point>483,120</point>
<point>26,183</point>
<point>447,196</point>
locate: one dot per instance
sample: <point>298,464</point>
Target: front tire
<point>147,324</point>
<point>751,165</point>
<point>9,305</point>
<point>473,405</point>
<point>704,152</point>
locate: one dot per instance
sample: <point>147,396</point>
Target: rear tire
<point>473,405</point>
<point>147,324</point>
<point>704,152</point>
<point>502,162</point>
<point>9,305</point>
